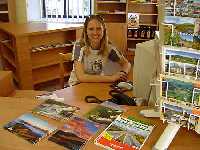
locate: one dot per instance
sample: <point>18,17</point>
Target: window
<point>66,10</point>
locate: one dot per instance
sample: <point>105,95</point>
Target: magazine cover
<point>75,133</point>
<point>124,133</point>
<point>55,109</point>
<point>133,20</point>
<point>103,114</point>
<point>30,128</point>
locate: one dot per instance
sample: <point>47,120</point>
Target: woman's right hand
<point>120,76</point>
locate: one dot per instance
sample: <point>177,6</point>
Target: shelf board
<point>49,78</point>
<point>146,3</point>
<point>110,2</point>
<point>46,65</point>
<point>111,13</point>
<point>138,39</point>
<point>141,14</point>
<point>3,12</point>
<point>6,44</point>
<point>11,62</point>
<point>132,50</point>
<point>146,24</point>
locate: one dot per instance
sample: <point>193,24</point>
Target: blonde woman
<point>93,54</point>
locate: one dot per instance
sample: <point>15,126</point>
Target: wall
<point>21,12</point>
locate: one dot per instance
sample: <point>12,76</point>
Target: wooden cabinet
<point>148,23</point>
<point>31,50</point>
<point>7,11</point>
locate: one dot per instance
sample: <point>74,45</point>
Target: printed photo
<point>196,97</point>
<point>56,110</point>
<point>179,90</point>
<point>182,63</point>
<point>133,20</point>
<point>183,32</point>
<point>75,133</point>
<point>168,29</point>
<point>192,122</point>
<point>187,8</point>
<point>169,7</point>
<point>30,128</point>
<point>103,115</point>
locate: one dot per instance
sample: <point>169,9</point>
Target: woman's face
<point>94,31</point>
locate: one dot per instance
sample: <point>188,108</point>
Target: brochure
<point>75,133</point>
<point>124,133</point>
<point>30,128</point>
<point>55,109</point>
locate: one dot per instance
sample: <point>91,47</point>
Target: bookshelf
<point>31,50</point>
<point>7,11</point>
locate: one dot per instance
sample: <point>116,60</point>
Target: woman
<point>92,54</point>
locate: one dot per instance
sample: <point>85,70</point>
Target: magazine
<point>124,133</point>
<point>103,114</point>
<point>30,128</point>
<point>56,110</point>
<point>75,133</point>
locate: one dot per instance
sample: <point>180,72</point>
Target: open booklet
<point>56,110</point>
<point>30,128</point>
<point>75,133</point>
<point>124,133</point>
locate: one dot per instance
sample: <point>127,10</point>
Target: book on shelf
<point>75,133</point>
<point>104,113</point>
<point>125,133</point>
<point>30,128</point>
<point>133,20</point>
<point>56,110</point>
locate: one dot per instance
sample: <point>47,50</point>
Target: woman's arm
<point>126,66</point>
<point>84,77</point>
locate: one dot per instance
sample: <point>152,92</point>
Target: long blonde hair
<point>84,41</point>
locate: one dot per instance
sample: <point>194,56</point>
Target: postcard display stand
<point>180,78</point>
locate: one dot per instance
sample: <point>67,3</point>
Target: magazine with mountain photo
<point>104,113</point>
<point>30,128</point>
<point>75,133</point>
<point>125,133</point>
<point>56,110</point>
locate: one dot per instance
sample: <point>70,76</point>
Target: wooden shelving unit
<point>148,20</point>
<point>31,50</point>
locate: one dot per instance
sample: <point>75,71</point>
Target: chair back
<point>65,61</point>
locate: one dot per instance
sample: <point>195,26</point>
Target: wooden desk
<point>11,108</point>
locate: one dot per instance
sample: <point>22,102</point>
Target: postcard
<point>56,110</point>
<point>185,32</point>
<point>30,128</point>
<point>182,63</point>
<point>75,133</point>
